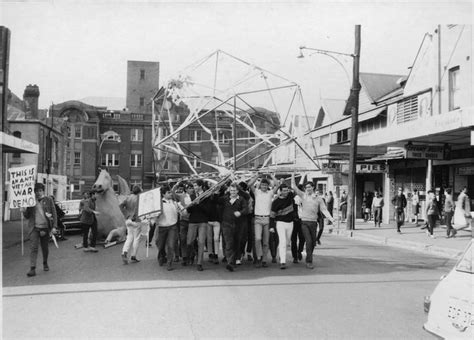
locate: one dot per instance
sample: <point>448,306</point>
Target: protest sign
<point>22,184</point>
<point>149,203</point>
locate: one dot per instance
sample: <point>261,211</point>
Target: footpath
<point>411,238</point>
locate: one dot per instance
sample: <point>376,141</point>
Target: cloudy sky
<point>76,49</point>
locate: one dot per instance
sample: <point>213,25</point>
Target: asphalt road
<point>357,291</point>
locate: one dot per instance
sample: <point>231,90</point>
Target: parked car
<point>450,306</point>
<point>71,219</point>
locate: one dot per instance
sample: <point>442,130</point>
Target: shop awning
<point>392,153</point>
<point>341,151</point>
<point>12,144</point>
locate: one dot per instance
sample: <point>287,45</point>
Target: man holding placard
<point>42,220</point>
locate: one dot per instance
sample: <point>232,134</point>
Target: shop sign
<point>371,168</point>
<point>466,170</point>
<point>425,151</point>
<point>329,168</point>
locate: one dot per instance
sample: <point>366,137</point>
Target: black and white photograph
<point>245,169</point>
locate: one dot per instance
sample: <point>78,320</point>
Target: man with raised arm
<point>263,203</point>
<point>311,205</point>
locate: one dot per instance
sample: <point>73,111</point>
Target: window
<point>136,160</point>
<point>142,101</point>
<point>77,158</point>
<point>68,159</point>
<point>342,136</point>
<point>197,135</point>
<point>223,138</point>
<point>166,165</point>
<point>77,131</point>
<point>142,74</point>
<point>136,135</point>
<point>68,132</point>
<point>454,89</point>
<point>110,159</point>
<point>197,163</point>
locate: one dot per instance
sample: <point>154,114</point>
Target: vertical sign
<point>22,184</point>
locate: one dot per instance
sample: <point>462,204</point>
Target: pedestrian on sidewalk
<point>89,221</point>
<point>462,213</point>
<point>415,201</point>
<point>448,214</point>
<point>400,203</point>
<point>432,212</point>
<point>377,205</point>
<point>42,221</point>
<point>330,204</point>
<point>343,206</point>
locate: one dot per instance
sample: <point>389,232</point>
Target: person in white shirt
<point>130,209</point>
<point>263,203</point>
<point>166,232</point>
<point>377,205</point>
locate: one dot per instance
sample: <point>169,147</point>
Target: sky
<point>77,49</point>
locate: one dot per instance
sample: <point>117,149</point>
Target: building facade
<point>414,133</point>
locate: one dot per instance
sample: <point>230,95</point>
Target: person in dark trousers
<point>297,237</point>
<point>198,221</point>
<point>432,212</point>
<point>330,204</point>
<point>343,206</point>
<point>377,205</point>
<point>233,207</point>
<point>89,221</point>
<point>42,221</point>
<point>449,213</point>
<point>241,242</point>
<point>400,203</point>
<point>60,214</point>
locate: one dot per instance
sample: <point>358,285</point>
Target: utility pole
<point>353,106</point>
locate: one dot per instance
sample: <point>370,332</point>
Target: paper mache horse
<point>110,220</point>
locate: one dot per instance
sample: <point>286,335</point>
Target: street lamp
<point>352,109</point>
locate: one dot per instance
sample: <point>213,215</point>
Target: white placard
<point>22,184</point>
<point>149,203</point>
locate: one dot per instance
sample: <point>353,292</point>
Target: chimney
<point>30,97</point>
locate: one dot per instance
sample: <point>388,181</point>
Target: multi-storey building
<point>420,126</point>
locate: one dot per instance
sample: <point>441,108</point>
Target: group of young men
<point>252,218</point>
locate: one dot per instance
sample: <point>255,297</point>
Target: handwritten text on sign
<point>22,183</point>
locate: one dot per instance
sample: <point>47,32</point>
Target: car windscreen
<point>465,263</point>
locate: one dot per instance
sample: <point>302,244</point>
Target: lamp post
<point>352,109</point>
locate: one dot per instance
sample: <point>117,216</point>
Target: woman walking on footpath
<point>432,212</point>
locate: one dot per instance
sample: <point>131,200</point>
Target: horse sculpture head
<point>103,182</point>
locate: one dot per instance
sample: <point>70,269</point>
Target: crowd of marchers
<point>253,221</point>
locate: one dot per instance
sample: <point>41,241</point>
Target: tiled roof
<point>378,85</point>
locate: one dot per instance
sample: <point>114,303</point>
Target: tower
<point>142,84</point>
